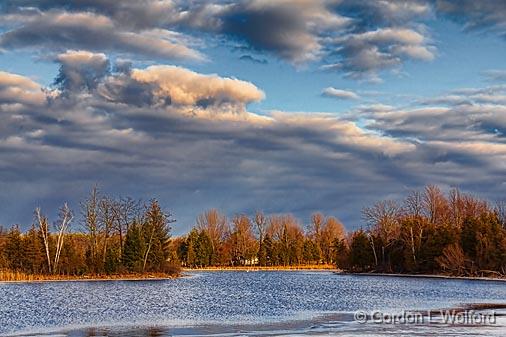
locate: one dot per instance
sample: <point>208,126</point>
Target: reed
<point>267,268</point>
<point>13,276</point>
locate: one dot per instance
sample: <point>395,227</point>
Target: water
<point>242,303</point>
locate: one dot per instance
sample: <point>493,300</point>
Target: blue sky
<point>204,104</point>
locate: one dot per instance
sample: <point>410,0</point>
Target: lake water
<point>247,304</point>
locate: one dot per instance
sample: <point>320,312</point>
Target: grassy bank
<point>313,267</point>
<point>8,276</point>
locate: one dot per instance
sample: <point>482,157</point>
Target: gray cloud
<point>61,30</point>
<point>364,55</point>
<point>359,39</point>
<point>471,117</point>
<point>81,70</point>
<point>214,157</point>
<point>484,15</point>
<point>164,141</point>
<point>292,30</point>
<point>373,13</point>
<point>367,38</point>
<point>498,75</point>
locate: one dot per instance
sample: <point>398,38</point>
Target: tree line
<point>430,232</point>
<point>277,240</point>
<point>112,236</point>
<point>427,232</point>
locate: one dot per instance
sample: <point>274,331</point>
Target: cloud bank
<point>190,139</point>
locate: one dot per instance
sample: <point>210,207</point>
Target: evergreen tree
<point>361,255</point>
<point>203,249</point>
<point>14,249</point>
<point>133,252</point>
<point>469,237</point>
<point>191,243</point>
<point>341,252</point>
<point>268,251</point>
<point>34,253</point>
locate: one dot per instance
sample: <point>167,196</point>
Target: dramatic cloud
<point>60,30</point>
<point>183,90</point>
<point>81,70</point>
<point>473,119</point>
<point>301,31</point>
<point>195,140</point>
<point>190,88</point>
<point>339,93</point>
<point>361,39</point>
<point>190,140</point>
<point>65,143</point>
<point>291,29</point>
<point>366,54</point>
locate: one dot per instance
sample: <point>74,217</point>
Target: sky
<point>282,106</point>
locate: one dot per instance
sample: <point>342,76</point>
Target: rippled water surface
<point>241,303</point>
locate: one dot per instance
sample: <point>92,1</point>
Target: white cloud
<point>186,87</point>
<point>19,89</point>
<point>339,93</point>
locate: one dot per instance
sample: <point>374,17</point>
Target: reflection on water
<point>243,304</point>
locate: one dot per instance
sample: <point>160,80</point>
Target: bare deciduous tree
<point>215,225</point>
<point>332,229</point>
<point>413,204</point>
<point>435,205</point>
<point>107,219</point>
<point>452,260</point>
<point>45,233</point>
<point>244,245</point>
<point>261,224</point>
<point>62,225</point>
<point>125,211</point>
<point>500,210</point>
<point>383,221</point>
<point>89,212</point>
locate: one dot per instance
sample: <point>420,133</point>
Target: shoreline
<point>265,268</point>
<point>91,278</point>
<point>426,276</point>
<point>161,277</point>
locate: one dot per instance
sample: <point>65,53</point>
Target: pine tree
<point>203,249</point>
<point>156,234</point>
<point>341,252</point>
<point>14,249</point>
<point>134,249</point>
<point>361,256</point>
<point>34,254</point>
<point>191,242</point>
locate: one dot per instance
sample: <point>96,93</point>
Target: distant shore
<point>315,267</point>
<point>434,276</point>
<point>339,272</point>
<point>9,277</point>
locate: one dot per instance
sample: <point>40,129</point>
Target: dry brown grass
<point>268,268</point>
<point>9,276</point>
